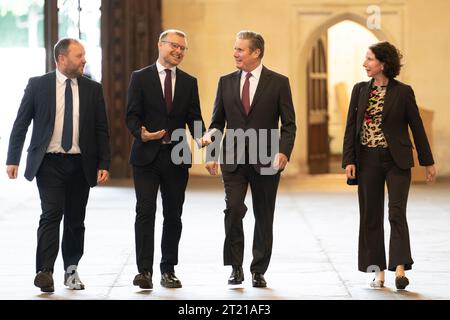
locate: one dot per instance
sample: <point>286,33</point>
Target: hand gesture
<point>147,136</point>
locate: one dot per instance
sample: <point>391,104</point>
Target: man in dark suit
<point>251,101</point>
<point>162,100</point>
<point>69,153</point>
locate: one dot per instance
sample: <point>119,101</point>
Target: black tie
<point>68,118</point>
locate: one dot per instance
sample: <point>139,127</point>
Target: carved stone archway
<point>311,21</point>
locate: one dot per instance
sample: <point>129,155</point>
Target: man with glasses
<point>161,99</point>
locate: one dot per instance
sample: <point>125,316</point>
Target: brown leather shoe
<point>237,275</point>
<point>44,281</point>
<point>143,280</point>
<point>169,280</point>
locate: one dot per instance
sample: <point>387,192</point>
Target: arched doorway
<point>345,69</point>
<point>334,65</point>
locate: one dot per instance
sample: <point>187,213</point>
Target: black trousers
<point>264,192</point>
<point>147,180</point>
<point>64,191</point>
<point>376,169</point>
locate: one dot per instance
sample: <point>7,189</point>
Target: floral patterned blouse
<point>371,133</point>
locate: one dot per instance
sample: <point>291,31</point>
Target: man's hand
<point>212,167</point>
<point>12,171</point>
<point>350,171</point>
<point>206,139</point>
<point>430,173</point>
<point>147,136</point>
<point>280,161</point>
<point>102,176</point>
<point>202,142</point>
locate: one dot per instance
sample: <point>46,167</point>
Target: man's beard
<point>75,73</point>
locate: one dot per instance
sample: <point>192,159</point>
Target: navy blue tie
<point>68,118</point>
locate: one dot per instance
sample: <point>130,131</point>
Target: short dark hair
<point>62,47</point>
<point>256,40</point>
<point>390,56</point>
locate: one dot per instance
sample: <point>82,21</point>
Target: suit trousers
<point>377,168</point>
<point>264,192</point>
<point>172,179</point>
<point>64,191</point>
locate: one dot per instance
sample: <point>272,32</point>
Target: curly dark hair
<point>390,56</point>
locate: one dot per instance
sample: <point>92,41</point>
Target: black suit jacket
<point>147,107</point>
<point>400,111</point>
<point>272,102</point>
<point>39,105</point>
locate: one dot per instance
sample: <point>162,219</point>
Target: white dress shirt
<point>254,80</point>
<point>55,142</point>
<point>162,77</point>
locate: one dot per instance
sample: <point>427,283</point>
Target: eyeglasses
<point>175,45</point>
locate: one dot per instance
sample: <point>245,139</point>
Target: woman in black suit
<point>377,149</point>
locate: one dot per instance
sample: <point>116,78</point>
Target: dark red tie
<point>168,89</point>
<point>246,93</point>
<point>168,98</point>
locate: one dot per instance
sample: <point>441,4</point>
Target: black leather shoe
<point>237,275</point>
<point>169,280</point>
<point>143,280</point>
<point>401,282</point>
<point>44,281</point>
<point>258,280</point>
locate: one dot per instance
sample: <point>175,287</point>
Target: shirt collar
<point>61,78</point>
<point>256,73</point>
<point>161,68</point>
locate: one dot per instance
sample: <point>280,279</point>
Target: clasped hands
<point>156,135</point>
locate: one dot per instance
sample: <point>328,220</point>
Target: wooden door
<point>318,140</point>
<point>130,31</point>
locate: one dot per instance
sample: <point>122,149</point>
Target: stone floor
<point>314,253</point>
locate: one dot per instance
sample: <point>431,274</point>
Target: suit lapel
<point>179,86</point>
<point>237,91</point>
<point>262,83</point>
<point>153,78</point>
<point>82,96</point>
<point>363,101</point>
<point>52,93</point>
<point>389,98</point>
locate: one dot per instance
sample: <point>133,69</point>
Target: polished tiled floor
<point>314,254</point>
